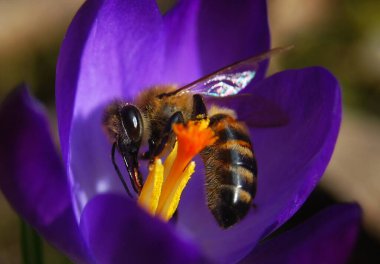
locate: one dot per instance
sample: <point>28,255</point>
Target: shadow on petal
<point>327,237</point>
<point>254,110</point>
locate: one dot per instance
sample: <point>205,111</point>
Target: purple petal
<point>204,36</point>
<point>112,50</point>
<point>118,231</point>
<point>291,159</point>
<point>294,156</point>
<point>328,237</point>
<point>231,31</point>
<point>182,63</point>
<point>32,176</point>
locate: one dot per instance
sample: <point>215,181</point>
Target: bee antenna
<point>118,171</point>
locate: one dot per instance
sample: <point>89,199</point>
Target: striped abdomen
<point>231,170</point>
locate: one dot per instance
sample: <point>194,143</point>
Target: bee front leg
<point>199,108</point>
<point>151,145</point>
<point>156,147</point>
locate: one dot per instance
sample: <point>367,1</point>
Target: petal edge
<point>32,176</point>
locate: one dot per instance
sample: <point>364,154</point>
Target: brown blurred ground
<point>354,173</point>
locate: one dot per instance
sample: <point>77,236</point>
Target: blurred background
<point>341,35</point>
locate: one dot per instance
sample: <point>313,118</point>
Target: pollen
<point>162,190</point>
<point>150,194</point>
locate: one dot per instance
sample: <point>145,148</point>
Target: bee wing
<point>228,81</point>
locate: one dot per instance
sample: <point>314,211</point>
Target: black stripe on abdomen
<point>235,158</point>
<point>232,133</point>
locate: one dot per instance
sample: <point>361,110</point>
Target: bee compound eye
<point>132,122</point>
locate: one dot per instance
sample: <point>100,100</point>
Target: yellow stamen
<point>192,138</point>
<point>169,208</point>
<point>163,188</point>
<point>151,191</point>
<point>168,164</point>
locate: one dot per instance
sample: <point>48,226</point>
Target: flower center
<point>163,188</point>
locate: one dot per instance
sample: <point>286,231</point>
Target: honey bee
<point>230,164</point>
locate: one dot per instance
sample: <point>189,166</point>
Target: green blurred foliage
<point>35,67</point>
<point>348,44</point>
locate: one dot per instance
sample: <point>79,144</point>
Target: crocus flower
<point>113,50</point>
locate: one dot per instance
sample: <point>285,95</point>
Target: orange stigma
<point>165,183</point>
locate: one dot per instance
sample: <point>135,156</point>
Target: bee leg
<point>156,149</point>
<point>147,155</point>
<point>118,170</point>
<point>199,108</point>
